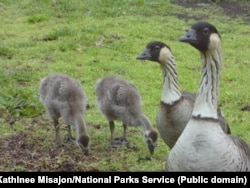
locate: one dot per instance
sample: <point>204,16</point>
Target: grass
<point>91,39</point>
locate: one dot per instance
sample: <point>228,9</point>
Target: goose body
<point>63,96</point>
<point>176,106</point>
<point>203,145</point>
<point>119,99</point>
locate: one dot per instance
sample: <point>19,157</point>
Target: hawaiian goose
<point>203,146</point>
<point>176,106</point>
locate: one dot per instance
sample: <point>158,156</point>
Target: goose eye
<point>157,48</point>
<point>205,31</point>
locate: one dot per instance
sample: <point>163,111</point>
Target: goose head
<point>83,142</point>
<point>156,51</point>
<point>151,140</point>
<point>203,36</point>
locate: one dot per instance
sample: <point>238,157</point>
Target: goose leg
<point>57,131</point>
<point>70,137</point>
<point>112,128</point>
<point>117,142</point>
<point>124,141</point>
<point>114,143</point>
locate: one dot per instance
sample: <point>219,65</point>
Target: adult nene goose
<point>203,146</point>
<point>119,99</point>
<point>176,106</point>
<point>63,97</point>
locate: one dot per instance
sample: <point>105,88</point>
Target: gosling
<point>119,99</point>
<point>63,96</point>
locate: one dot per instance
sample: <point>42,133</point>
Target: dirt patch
<point>231,9</point>
<point>32,149</point>
<point>26,151</point>
<point>234,10</point>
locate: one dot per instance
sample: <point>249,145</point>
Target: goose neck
<point>208,93</point>
<point>171,92</point>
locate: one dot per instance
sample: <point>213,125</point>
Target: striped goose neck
<point>208,93</point>
<point>171,92</point>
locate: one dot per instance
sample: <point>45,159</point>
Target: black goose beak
<point>144,55</point>
<point>151,149</point>
<point>189,37</point>
<point>86,153</point>
<point>84,149</point>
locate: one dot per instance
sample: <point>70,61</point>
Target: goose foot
<point>64,142</point>
<point>69,139</point>
<point>118,142</point>
<point>57,145</point>
<point>58,142</point>
<point>146,158</point>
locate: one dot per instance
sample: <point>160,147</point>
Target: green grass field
<point>91,39</point>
